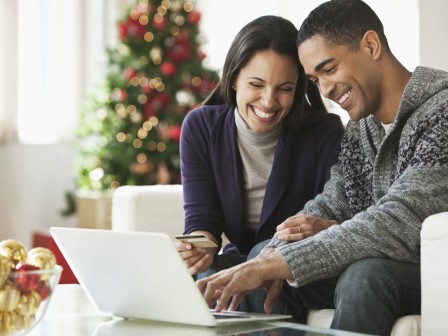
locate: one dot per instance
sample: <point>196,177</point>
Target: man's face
<point>349,78</point>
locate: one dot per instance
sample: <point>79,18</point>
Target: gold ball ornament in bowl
<point>27,280</point>
<point>41,257</point>
<point>13,250</point>
<point>5,267</point>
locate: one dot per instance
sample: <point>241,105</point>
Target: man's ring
<point>300,230</point>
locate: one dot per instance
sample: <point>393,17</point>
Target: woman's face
<point>265,90</point>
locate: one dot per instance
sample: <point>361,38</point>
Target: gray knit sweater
<point>383,186</point>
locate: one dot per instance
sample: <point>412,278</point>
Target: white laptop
<point>139,275</point>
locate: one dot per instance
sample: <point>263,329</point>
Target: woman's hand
<point>301,226</point>
<point>198,259</point>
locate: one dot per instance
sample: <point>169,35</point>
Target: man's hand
<point>228,287</point>
<point>301,226</point>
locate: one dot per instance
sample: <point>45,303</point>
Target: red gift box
<point>42,238</point>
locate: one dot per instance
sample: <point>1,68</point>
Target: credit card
<point>196,240</point>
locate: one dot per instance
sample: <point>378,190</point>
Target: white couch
<point>159,208</point>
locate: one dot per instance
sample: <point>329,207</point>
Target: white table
<point>70,313</point>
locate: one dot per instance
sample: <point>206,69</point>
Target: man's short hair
<point>342,22</point>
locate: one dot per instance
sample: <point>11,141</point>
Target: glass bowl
<point>24,298</point>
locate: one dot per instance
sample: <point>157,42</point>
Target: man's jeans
<point>372,293</point>
<point>221,262</point>
<point>368,297</point>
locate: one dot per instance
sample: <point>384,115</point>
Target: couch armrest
<point>155,208</point>
<point>434,274</point>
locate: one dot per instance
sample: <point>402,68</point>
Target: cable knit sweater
<point>382,187</point>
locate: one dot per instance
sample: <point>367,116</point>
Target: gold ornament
<point>5,268</point>
<point>5,322</point>
<point>9,298</point>
<point>13,250</point>
<point>28,304</point>
<point>19,321</point>
<point>42,258</point>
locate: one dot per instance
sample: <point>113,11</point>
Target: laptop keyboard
<point>229,314</point>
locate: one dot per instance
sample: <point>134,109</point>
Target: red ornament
<point>119,95</point>
<point>124,95</point>
<point>156,104</point>
<point>180,51</point>
<point>131,28</point>
<point>201,54</point>
<point>129,73</point>
<point>147,89</point>
<point>174,132</point>
<point>27,282</point>
<point>160,24</point>
<point>43,290</point>
<point>168,68</point>
<point>194,17</point>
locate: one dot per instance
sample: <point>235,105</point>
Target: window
<point>60,55</point>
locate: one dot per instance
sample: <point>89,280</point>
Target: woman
<point>257,149</point>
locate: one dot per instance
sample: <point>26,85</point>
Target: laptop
<point>140,275</point>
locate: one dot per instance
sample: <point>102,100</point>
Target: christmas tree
<point>129,130</point>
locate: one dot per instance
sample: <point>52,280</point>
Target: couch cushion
<point>156,208</point>
<point>434,271</point>
<point>405,326</point>
<point>320,317</point>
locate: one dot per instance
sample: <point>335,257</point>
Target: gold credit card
<point>196,240</point>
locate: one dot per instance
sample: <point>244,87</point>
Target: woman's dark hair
<point>269,33</point>
<point>342,22</point>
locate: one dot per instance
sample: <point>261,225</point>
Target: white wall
<point>434,26</point>
<point>33,178</point>
<point>221,20</point>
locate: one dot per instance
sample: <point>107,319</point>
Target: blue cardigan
<point>213,183</point>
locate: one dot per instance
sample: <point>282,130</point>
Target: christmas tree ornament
<point>5,267</point>
<point>13,250</point>
<point>194,17</point>
<point>174,133</point>
<point>25,282</point>
<point>43,289</point>
<point>9,297</point>
<point>168,69</point>
<point>129,73</point>
<point>28,304</point>
<point>42,258</point>
<point>160,22</point>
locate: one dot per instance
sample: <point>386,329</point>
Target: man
<point>391,174</point>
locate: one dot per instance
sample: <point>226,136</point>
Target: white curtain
<point>53,51</point>
<point>8,70</point>
<point>50,57</point>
